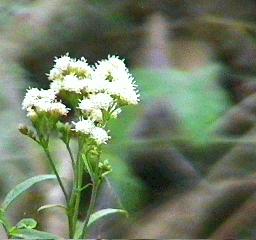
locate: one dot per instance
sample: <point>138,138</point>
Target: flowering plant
<point>77,106</point>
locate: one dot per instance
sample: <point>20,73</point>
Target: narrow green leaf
<point>3,220</point>
<point>22,187</point>
<point>51,206</point>
<point>104,212</point>
<point>28,223</point>
<point>2,216</point>
<point>87,165</point>
<point>32,234</point>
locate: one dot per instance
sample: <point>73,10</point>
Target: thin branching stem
<point>95,186</point>
<point>72,197</point>
<point>75,201</point>
<point>71,157</point>
<point>56,172</point>
<point>91,207</point>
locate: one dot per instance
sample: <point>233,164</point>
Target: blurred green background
<point>184,158</point>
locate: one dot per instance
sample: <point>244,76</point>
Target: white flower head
<point>58,108</point>
<point>84,126</point>
<point>96,115</point>
<point>81,67</point>
<point>35,95</point>
<point>111,69</point>
<point>126,92</point>
<point>116,62</point>
<point>99,135</point>
<point>42,101</point>
<point>42,106</point>
<point>63,62</point>
<point>129,96</point>
<point>56,85</point>
<point>86,105</point>
<point>54,74</point>
<point>94,85</point>
<point>101,101</point>
<point>72,84</point>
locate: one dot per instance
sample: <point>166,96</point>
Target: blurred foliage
<point>196,99</point>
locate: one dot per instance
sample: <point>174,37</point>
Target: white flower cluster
<point>108,76</point>
<point>87,127</point>
<point>42,101</point>
<point>101,91</point>
<point>119,83</point>
<point>69,74</point>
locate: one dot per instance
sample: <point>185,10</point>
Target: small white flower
<point>42,106</point>
<point>34,95</point>
<point>86,105</point>
<point>99,135</point>
<point>102,101</point>
<point>129,96</point>
<point>40,101</point>
<point>98,101</point>
<point>81,67</point>
<point>125,91</point>
<point>58,108</point>
<point>95,85</point>
<point>84,126</point>
<point>54,74</point>
<point>96,115</point>
<point>63,62</point>
<point>116,62</point>
<point>112,69</point>
<point>56,85</point>
<point>72,84</point>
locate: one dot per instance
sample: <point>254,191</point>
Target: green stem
<point>71,201</point>
<point>72,197</point>
<point>91,207</point>
<point>71,157</point>
<point>76,194</point>
<point>56,173</point>
<point>70,225</point>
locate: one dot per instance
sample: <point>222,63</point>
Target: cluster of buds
<point>98,92</point>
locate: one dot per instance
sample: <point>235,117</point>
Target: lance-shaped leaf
<point>22,187</point>
<point>103,213</point>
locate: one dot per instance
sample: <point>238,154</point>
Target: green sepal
<point>64,130</point>
<point>28,132</point>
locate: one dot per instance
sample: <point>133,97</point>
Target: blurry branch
<point>234,23</point>
<point>207,18</point>
<point>163,142</point>
<point>244,216</point>
<point>196,214</point>
<point>238,119</point>
<point>238,162</point>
